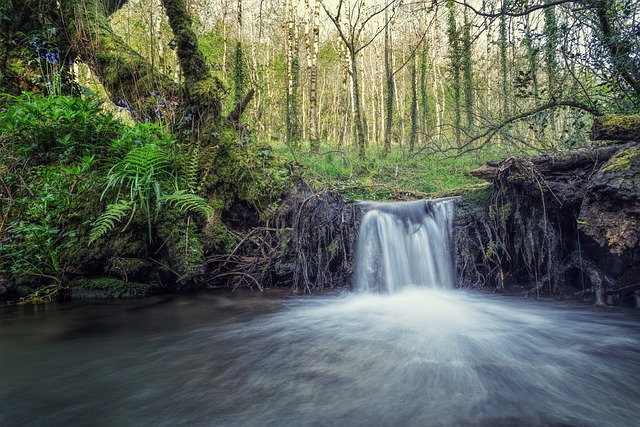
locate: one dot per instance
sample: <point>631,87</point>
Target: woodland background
<point>153,138</point>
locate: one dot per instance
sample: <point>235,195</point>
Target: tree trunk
<point>622,53</point>
<point>128,78</point>
<point>414,106</point>
<point>313,45</point>
<point>202,89</point>
<point>467,71</point>
<point>550,164</point>
<point>455,51</point>
<point>389,85</point>
<point>424,97</point>
<point>357,113</point>
<point>291,110</point>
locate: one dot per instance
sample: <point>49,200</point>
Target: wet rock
<point>610,211</point>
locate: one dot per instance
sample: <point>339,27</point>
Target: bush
<point>48,164</point>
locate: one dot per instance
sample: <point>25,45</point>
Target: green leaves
<point>114,213</point>
<point>55,128</point>
<point>142,180</point>
<point>188,202</point>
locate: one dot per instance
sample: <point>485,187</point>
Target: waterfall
<point>405,244</point>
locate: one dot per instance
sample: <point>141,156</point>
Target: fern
<point>188,202</point>
<point>114,213</point>
<point>141,174</point>
<point>140,171</point>
<point>140,179</point>
<point>192,171</point>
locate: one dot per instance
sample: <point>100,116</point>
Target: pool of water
<point>416,358</point>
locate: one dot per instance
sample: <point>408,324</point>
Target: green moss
<point>127,267</point>
<point>621,161</point>
<point>16,66</point>
<point>481,196</point>
<point>181,245</point>
<point>219,239</point>
<point>206,91</point>
<point>105,287</point>
<point>623,123</point>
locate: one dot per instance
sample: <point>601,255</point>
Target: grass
<point>397,176</point>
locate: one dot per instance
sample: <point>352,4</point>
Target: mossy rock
<point>125,267</point>
<point>616,127</point>
<point>610,211</point>
<point>106,287</point>
<point>623,160</point>
<point>181,245</point>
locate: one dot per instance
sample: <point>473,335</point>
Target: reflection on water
<point>416,358</point>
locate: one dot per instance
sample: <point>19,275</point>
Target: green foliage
<point>146,178</point>
<point>55,128</point>
<point>48,159</point>
<point>137,178</point>
<point>187,202</point>
<point>32,249</point>
<point>113,214</point>
<point>59,157</point>
<point>395,176</point>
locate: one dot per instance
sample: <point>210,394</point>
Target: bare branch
<point>510,12</point>
<point>492,130</point>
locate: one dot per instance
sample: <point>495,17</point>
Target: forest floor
<point>398,176</point>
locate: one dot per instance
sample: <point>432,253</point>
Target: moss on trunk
<point>128,78</point>
<point>202,90</point>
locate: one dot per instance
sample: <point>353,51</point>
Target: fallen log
<point>487,171</point>
<point>552,163</point>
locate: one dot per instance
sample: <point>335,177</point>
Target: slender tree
<point>467,71</point>
<point>293,68</point>
<point>313,44</point>
<point>424,96</point>
<point>504,65</point>
<point>389,83</point>
<point>238,61</point>
<point>414,106</point>
<point>350,29</point>
<point>455,51</point>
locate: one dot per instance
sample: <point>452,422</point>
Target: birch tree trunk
<point>424,96</point>
<point>389,86</point>
<point>291,110</point>
<point>414,106</point>
<point>313,46</point>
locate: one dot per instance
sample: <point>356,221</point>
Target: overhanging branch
<point>492,130</point>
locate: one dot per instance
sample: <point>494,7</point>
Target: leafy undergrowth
<point>395,177</point>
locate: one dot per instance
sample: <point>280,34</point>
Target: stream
<point>419,357</point>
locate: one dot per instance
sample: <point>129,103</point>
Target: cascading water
<point>423,357</point>
<point>405,244</point>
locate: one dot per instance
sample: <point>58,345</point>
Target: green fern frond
<point>192,171</point>
<point>188,202</point>
<point>140,167</point>
<point>114,213</point>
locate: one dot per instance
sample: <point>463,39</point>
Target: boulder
<point>610,211</point>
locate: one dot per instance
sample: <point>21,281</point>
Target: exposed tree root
<point>309,247</point>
